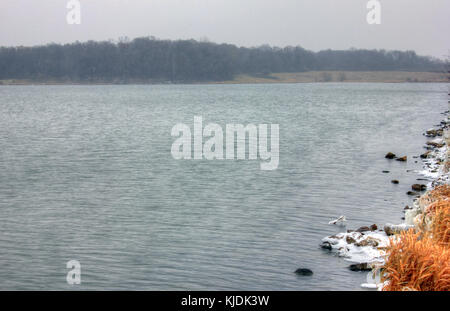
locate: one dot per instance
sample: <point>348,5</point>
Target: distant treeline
<point>150,59</point>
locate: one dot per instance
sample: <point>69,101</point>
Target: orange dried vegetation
<point>440,225</point>
<point>441,192</point>
<point>416,262</point>
<point>421,260</point>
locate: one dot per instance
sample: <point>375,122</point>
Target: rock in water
<point>403,159</point>
<point>389,155</point>
<point>303,271</point>
<point>360,267</point>
<point>326,245</point>
<point>434,133</point>
<point>431,133</point>
<point>394,181</point>
<point>425,155</point>
<point>419,187</point>
<point>412,193</point>
<point>363,229</point>
<point>435,144</point>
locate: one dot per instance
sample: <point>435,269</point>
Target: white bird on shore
<point>340,221</point>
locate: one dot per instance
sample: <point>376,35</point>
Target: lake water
<point>86,173</point>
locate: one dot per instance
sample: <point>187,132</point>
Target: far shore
<point>284,77</point>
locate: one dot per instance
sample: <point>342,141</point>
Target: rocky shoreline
<point>366,248</point>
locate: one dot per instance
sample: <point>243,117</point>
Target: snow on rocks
<point>391,229</point>
<point>366,247</point>
<point>435,157</point>
<point>358,247</point>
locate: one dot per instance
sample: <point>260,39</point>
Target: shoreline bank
<point>379,251</point>
<point>269,78</point>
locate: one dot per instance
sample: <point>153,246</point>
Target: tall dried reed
<point>420,259</point>
<point>416,262</point>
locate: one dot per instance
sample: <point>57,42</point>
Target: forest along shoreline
<point>415,254</point>
<point>152,60</point>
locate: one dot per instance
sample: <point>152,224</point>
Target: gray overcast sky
<point>420,25</point>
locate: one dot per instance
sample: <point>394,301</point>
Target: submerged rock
<point>412,193</point>
<point>303,271</point>
<point>360,267</point>
<point>390,155</point>
<point>385,172</point>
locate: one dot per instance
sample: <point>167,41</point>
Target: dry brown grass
<point>439,212</point>
<point>341,76</point>
<point>441,192</point>
<point>420,260</point>
<point>416,262</point>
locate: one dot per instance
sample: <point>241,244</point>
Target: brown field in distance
<point>283,77</point>
<point>343,76</point>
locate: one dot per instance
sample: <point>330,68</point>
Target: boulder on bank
<point>390,155</point>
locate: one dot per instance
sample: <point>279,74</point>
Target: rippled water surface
<point>86,173</point>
